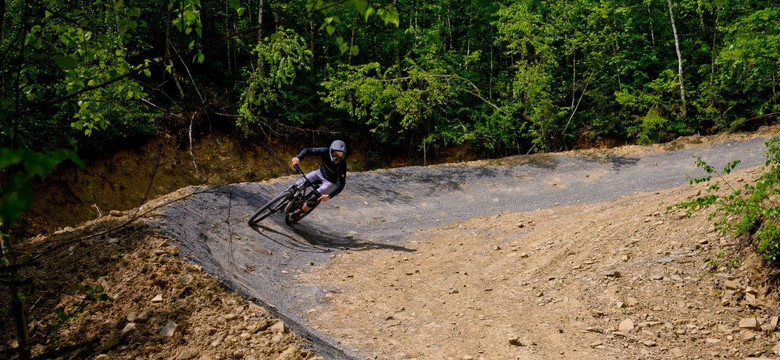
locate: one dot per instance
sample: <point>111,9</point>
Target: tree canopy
<point>502,77</point>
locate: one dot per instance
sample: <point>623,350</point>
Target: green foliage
<point>280,57</point>
<point>187,20</point>
<point>397,108</point>
<point>749,61</point>
<point>22,166</point>
<point>753,209</point>
<point>78,55</point>
<point>523,31</point>
<point>504,76</point>
<point>333,25</point>
<point>652,128</point>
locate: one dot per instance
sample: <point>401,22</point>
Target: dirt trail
<point>547,284</point>
<point>570,255</point>
<point>419,262</point>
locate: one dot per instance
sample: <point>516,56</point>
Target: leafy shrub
<point>280,59</point>
<point>751,210</point>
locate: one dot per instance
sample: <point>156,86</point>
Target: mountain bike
<point>288,201</point>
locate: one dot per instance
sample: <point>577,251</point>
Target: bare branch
<point>194,163</point>
<point>475,93</point>
<point>576,107</point>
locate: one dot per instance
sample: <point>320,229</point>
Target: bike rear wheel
<point>291,218</point>
<point>272,206</point>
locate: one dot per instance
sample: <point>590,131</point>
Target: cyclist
<point>331,175</point>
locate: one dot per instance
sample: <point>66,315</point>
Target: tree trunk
<point>397,46</point>
<point>18,308</point>
<point>311,40</point>
<point>17,84</point>
<point>277,19</point>
<point>714,41</point>
<point>615,48</point>
<point>701,15</point>
<point>18,305</point>
<point>352,38</point>
<point>260,23</point>
<point>449,26</point>
<point>168,60</point>
<point>416,7</point>
<point>490,82</point>
<point>617,63</point>
<point>573,77</point>
<point>650,16</point>
<point>679,59</point>
<point>2,16</point>
<point>227,31</point>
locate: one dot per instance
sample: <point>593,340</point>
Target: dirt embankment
<point>128,178</point>
<point>128,294</point>
<point>624,279</point>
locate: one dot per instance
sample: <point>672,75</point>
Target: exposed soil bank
<point>422,262</point>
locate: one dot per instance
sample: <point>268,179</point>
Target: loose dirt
<point>127,294</point>
<point>623,279</point>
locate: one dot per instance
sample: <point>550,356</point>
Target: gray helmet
<point>338,145</point>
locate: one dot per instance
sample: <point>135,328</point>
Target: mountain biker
<point>331,175</point>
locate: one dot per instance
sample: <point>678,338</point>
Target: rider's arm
<point>304,153</point>
<point>342,180</point>
<point>316,151</point>
<point>323,151</point>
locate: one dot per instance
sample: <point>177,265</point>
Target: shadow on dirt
<point>621,161</point>
<point>287,241</point>
<point>617,162</point>
<point>313,240</point>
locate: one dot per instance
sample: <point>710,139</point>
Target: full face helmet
<point>338,151</point>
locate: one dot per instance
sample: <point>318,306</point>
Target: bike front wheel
<point>272,206</point>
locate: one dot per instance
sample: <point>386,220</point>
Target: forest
<point>83,78</point>
<point>497,77</point>
<point>501,77</point>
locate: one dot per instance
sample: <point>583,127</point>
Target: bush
<point>751,210</point>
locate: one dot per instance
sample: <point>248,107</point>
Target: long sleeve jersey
<point>335,173</point>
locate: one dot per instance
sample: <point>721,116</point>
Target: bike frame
<point>301,189</point>
<point>287,201</point>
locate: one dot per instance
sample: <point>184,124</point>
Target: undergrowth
<point>752,209</point>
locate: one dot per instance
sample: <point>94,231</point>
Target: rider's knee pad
<point>313,199</point>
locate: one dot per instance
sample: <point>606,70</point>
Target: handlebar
<point>305,179</point>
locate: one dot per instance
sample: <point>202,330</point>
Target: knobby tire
<point>290,219</point>
<point>269,208</point>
